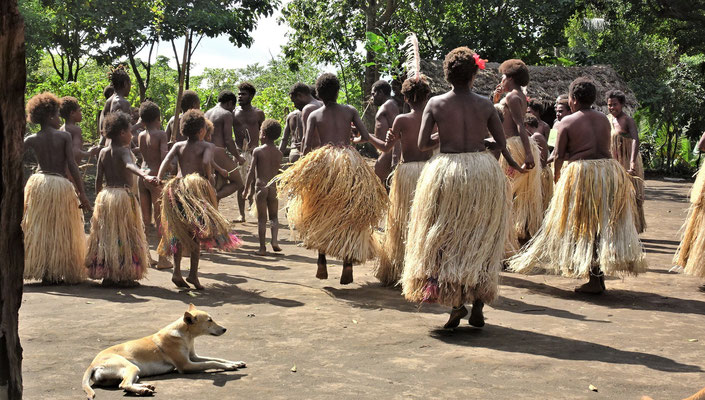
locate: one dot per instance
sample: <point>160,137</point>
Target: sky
<point>218,52</point>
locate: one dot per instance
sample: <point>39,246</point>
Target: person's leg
<point>261,204</point>
<point>596,283</point>
<point>156,193</point>
<point>477,318</point>
<point>176,275</point>
<point>145,204</point>
<point>273,211</point>
<point>322,272</point>
<point>346,277</point>
<point>456,314</point>
<point>192,277</point>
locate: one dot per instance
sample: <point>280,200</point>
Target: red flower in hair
<point>478,61</point>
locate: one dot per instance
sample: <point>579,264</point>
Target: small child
<point>117,249</point>
<point>70,111</point>
<point>266,161</point>
<point>190,219</point>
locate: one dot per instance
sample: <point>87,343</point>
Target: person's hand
<point>241,160</point>
<point>390,136</point>
<point>85,204</point>
<point>152,179</point>
<point>632,169</point>
<point>529,161</point>
<point>94,150</point>
<point>246,193</point>
<point>498,90</point>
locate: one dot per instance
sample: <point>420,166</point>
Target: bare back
<point>51,148</point>
<point>267,160</point>
<point>76,140</point>
<point>113,165</point>
<point>514,110</point>
<point>247,123</point>
<point>193,157</point>
<point>331,124</point>
<point>584,135</point>
<point>407,126</point>
<point>385,118</point>
<point>222,120</point>
<point>307,110</point>
<point>153,144</point>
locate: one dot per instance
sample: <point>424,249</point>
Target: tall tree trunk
<point>12,126</point>
<point>176,127</point>
<point>370,70</point>
<point>140,81</point>
<point>189,39</point>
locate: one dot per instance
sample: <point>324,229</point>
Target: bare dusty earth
<point>644,336</point>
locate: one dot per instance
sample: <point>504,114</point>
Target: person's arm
<point>494,125</point>
<point>634,134</point>
<point>286,135</point>
<point>228,129</point>
<point>311,137</point>
<point>427,123</point>
<point>381,124</point>
<point>251,174</point>
<point>75,173</point>
<point>517,115</point>
<point>364,135</point>
<point>207,161</point>
<point>77,142</point>
<point>701,143</point>
<point>99,174</point>
<point>163,147</point>
<point>393,135</point>
<point>560,151</point>
<point>166,163</point>
<point>126,158</point>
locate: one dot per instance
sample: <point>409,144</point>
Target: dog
<point>167,350</point>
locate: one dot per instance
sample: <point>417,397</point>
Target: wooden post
<point>177,110</point>
<point>12,128</point>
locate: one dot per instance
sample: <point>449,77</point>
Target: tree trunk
<point>140,81</point>
<point>12,126</point>
<point>177,110</point>
<point>370,70</point>
<point>189,39</point>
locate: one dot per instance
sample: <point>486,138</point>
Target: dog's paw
<point>231,366</point>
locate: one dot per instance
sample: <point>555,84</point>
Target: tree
<point>12,125</point>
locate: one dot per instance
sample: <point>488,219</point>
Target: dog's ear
<point>191,307</point>
<point>189,318</point>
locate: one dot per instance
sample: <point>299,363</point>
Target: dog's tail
<point>87,377</point>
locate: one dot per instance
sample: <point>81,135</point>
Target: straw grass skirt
<point>546,186</point>
<point>457,229</point>
<point>117,245</point>
<point>401,194</point>
<point>335,201</point>
<point>527,203</point>
<point>590,220</point>
<point>54,239</point>
<point>691,251</point>
<point>622,152</point>
<point>190,219</point>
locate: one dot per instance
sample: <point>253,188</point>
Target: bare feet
<point>477,319</point>
<point>152,262</point>
<point>347,276</point>
<point>276,247</point>
<point>592,287</point>
<point>194,281</point>
<point>456,315</point>
<point>261,252</point>
<point>180,282</point>
<point>241,219</point>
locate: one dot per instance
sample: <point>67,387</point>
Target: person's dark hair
<point>192,122</point>
<point>314,93</point>
<point>382,86</point>
<point>108,91</point>
<point>583,90</point>
<point>299,88</point>
<point>116,123</point>
<point>517,70</point>
<point>562,100</point>
<point>415,91</point>
<point>41,107</point>
<point>271,128</point>
<point>536,105</point>
<point>459,66</point>
<point>119,78</point>
<point>617,94</point>
<point>189,100</point>
<point>327,87</point>
<point>67,105</point>
<point>149,111</point>
<point>531,120</point>
<point>226,95</point>
<point>248,87</point>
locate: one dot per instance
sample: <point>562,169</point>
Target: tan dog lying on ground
<point>697,396</point>
<point>169,349</point>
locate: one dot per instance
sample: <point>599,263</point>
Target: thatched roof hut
<point>547,82</point>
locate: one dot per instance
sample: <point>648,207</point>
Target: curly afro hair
<point>517,70</point>
<point>67,105</point>
<point>618,95</point>
<point>116,123</point>
<point>271,128</point>
<point>209,128</point>
<point>42,107</point>
<point>192,122</point>
<point>327,87</point>
<point>583,90</point>
<point>226,96</point>
<point>536,105</point>
<point>190,100</point>
<point>382,86</point>
<point>108,91</point>
<point>415,91</point>
<point>119,78</point>
<point>149,111</point>
<point>248,87</point>
<point>531,120</point>
<point>312,88</point>
<point>459,66</point>
<point>299,88</point>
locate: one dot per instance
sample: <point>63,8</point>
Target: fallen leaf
<point>354,321</point>
<point>89,302</point>
<point>692,340</point>
<point>120,293</point>
<point>293,369</point>
<point>192,294</point>
<point>593,388</point>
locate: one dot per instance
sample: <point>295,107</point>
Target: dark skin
<point>116,102</point>
<point>116,166</point>
<point>71,126</point>
<point>514,111</point>
<point>330,124</point>
<point>246,122</point>
<point>541,141</point>
<point>701,143</point>
<point>625,125</point>
<point>464,120</point>
<point>266,161</point>
<point>177,136</point>
<point>307,104</point>
<point>192,156</point>
<point>543,128</point>
<point>387,112</point>
<point>292,132</point>
<point>405,130</point>
<point>153,144</point>
<point>583,135</point>
<point>562,110</point>
<point>222,137</point>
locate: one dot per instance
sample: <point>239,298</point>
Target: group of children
<point>471,192</point>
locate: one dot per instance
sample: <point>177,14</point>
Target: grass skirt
<point>546,186</point>
<point>527,203</point>
<point>54,239</point>
<point>691,251</point>
<point>622,152</point>
<point>190,219</point>
<point>391,258</point>
<point>117,245</point>
<point>590,220</point>
<point>335,201</point>
<point>457,229</point>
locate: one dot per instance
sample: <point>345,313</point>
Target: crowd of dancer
<point>464,185</point>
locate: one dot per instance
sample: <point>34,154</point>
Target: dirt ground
<point>644,336</point>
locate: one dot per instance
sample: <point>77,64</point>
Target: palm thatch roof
<point>547,82</point>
